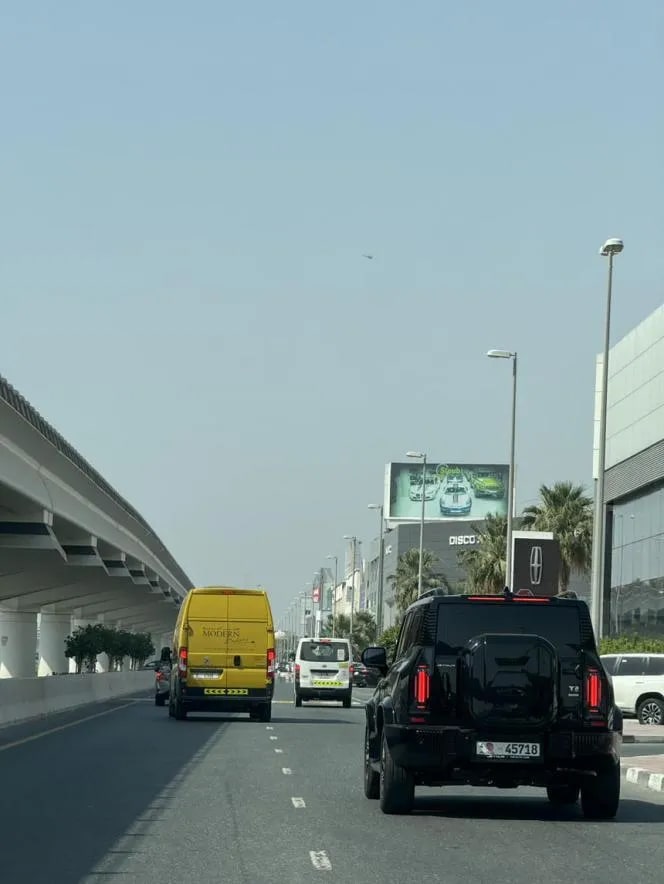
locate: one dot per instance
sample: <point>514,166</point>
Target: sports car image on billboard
<point>455,497</point>
<point>479,489</point>
<point>487,483</point>
<point>431,487</point>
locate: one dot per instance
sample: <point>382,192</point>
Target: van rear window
<point>457,623</point>
<point>316,652</point>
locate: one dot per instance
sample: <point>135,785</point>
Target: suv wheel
<point>397,786</point>
<point>563,794</point>
<point>159,699</point>
<point>265,712</point>
<point>298,699</point>
<point>600,795</point>
<point>347,701</point>
<point>650,711</point>
<point>371,777</point>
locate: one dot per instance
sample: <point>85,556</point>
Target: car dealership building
<point>633,592</point>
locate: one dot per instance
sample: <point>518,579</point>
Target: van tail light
<point>297,670</point>
<point>183,657</point>
<point>422,686</point>
<point>271,663</point>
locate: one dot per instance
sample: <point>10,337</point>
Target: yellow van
<point>223,653</point>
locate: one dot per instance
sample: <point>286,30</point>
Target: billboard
<point>452,491</point>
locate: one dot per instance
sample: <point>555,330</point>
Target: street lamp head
<point>414,454</point>
<point>330,557</point>
<point>375,506</point>
<point>500,354</point>
<point>611,247</point>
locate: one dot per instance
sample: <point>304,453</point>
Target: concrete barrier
<point>25,698</point>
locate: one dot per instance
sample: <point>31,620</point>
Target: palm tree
<point>485,563</point>
<point>567,511</point>
<point>406,578</point>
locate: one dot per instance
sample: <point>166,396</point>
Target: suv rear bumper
<point>451,748</point>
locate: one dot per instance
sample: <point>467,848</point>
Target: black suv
<point>506,691</point>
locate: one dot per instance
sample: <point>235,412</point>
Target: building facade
<point>633,591</point>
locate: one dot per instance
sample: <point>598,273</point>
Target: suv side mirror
<point>375,658</point>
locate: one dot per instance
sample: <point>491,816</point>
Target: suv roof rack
<point>439,590</point>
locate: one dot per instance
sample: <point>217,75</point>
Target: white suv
<point>638,684</point>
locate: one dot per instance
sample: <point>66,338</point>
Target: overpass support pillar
<point>53,630</point>
<point>18,644</point>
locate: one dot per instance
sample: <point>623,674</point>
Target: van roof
<point>227,590</point>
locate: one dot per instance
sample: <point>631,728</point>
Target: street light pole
<point>334,593</point>
<point>352,592</point>
<point>379,599</point>
<point>419,454</point>
<point>511,488</point>
<point>610,248</point>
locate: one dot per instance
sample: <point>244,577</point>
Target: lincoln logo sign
<point>536,565</point>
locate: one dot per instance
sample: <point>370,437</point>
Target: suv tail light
<point>593,691</point>
<point>183,657</point>
<point>422,686</point>
<point>160,675</point>
<point>271,662</point>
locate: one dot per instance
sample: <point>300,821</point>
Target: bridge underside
<point>55,576</point>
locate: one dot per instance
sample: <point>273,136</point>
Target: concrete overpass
<point>72,550</point>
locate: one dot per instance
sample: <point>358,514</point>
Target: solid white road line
<point>63,727</point>
<point>320,860</point>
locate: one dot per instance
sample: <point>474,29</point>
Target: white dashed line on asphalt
<point>286,771</point>
<point>320,860</point>
<point>269,728</point>
<point>298,802</point>
<point>274,738</point>
<point>279,751</point>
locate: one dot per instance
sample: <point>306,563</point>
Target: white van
<point>322,670</point>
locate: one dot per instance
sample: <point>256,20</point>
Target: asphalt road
<point>133,796</point>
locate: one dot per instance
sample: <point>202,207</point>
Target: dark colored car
<point>363,676</point>
<point>501,691</point>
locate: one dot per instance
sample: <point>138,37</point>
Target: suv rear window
<point>459,623</point>
<point>315,652</point>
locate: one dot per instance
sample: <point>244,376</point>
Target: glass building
<point>633,592</point>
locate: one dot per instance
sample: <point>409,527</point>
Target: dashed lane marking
<point>298,802</point>
<point>279,751</point>
<point>274,738</point>
<point>286,771</point>
<point>320,860</point>
<point>269,728</point>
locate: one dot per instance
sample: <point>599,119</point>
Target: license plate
<point>206,675</point>
<point>488,749</point>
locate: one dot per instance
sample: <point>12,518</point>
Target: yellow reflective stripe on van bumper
<point>225,692</point>
<point>329,684</point>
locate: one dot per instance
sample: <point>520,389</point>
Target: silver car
<point>162,678</point>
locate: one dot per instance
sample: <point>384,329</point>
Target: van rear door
<point>250,634</point>
<point>207,620</point>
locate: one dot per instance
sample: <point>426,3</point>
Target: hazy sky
<point>186,193</point>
